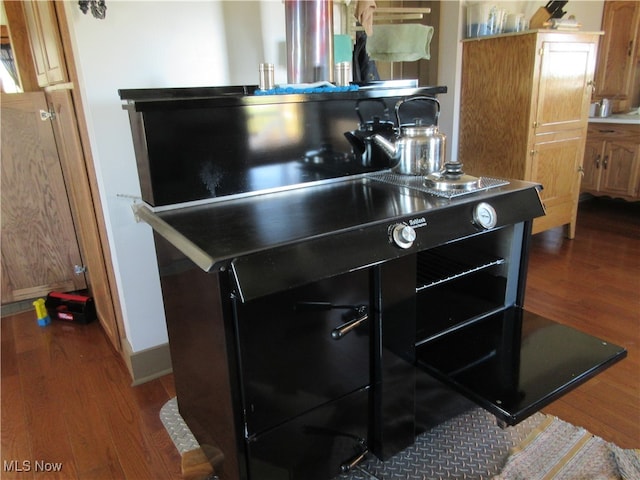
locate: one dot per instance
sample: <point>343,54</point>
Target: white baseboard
<point>148,364</point>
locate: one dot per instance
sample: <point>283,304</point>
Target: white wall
<point>141,44</point>
<point>587,12</point>
<point>144,44</point>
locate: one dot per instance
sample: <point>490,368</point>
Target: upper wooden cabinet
<point>524,111</point>
<point>46,45</point>
<point>618,67</point>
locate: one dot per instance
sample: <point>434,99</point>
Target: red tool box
<point>71,307</point>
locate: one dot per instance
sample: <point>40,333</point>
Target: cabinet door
<point>296,328</point>
<point>39,246</point>
<point>615,58</point>
<point>555,164</point>
<point>35,42</point>
<point>46,46</point>
<point>592,164</point>
<point>619,168</point>
<point>564,92</point>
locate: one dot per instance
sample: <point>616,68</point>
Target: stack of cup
<point>516,23</point>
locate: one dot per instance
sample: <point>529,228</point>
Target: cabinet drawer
<point>607,131</point>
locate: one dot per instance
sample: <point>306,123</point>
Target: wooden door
<point>556,165</point>
<point>39,245</point>
<point>592,164</point>
<point>619,166</point>
<point>564,92</point>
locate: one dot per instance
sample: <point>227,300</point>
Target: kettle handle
<point>431,99</point>
<point>379,100</point>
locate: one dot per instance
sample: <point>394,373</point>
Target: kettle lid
<point>419,130</point>
<point>376,125</point>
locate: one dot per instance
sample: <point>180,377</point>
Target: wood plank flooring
<point>67,400</point>
<point>592,283</point>
<point>66,396</point>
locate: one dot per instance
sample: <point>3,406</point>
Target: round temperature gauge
<point>485,216</point>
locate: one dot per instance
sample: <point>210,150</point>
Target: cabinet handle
<point>340,331</point>
<point>352,462</point>
<point>597,162</point>
<point>360,315</point>
<point>605,162</point>
<point>581,171</point>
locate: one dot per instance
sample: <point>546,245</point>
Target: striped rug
<point>557,450</point>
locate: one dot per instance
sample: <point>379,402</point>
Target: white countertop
<point>628,118</point>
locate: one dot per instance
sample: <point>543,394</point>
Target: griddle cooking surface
<point>265,221</point>
<point>308,225</point>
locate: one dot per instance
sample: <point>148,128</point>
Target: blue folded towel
<point>317,87</point>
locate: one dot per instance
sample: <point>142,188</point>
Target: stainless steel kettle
<point>420,149</point>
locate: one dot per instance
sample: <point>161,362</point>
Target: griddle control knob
<point>403,235</point>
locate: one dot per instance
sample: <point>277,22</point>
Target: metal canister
<point>266,80</point>
<point>343,74</point>
<point>605,107</point>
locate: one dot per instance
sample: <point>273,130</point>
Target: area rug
<point>473,446</point>
<point>560,451</point>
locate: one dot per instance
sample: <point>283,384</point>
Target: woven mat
<point>560,451</point>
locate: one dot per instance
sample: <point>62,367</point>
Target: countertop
<point>626,118</point>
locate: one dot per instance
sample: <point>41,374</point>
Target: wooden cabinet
<point>612,161</point>
<point>524,110</point>
<point>618,66</point>
<point>46,46</point>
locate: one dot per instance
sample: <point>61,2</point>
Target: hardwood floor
<point>66,395</point>
<point>67,399</point>
<point>592,283</point>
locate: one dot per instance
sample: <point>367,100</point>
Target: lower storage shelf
<point>513,363</point>
<point>449,305</point>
